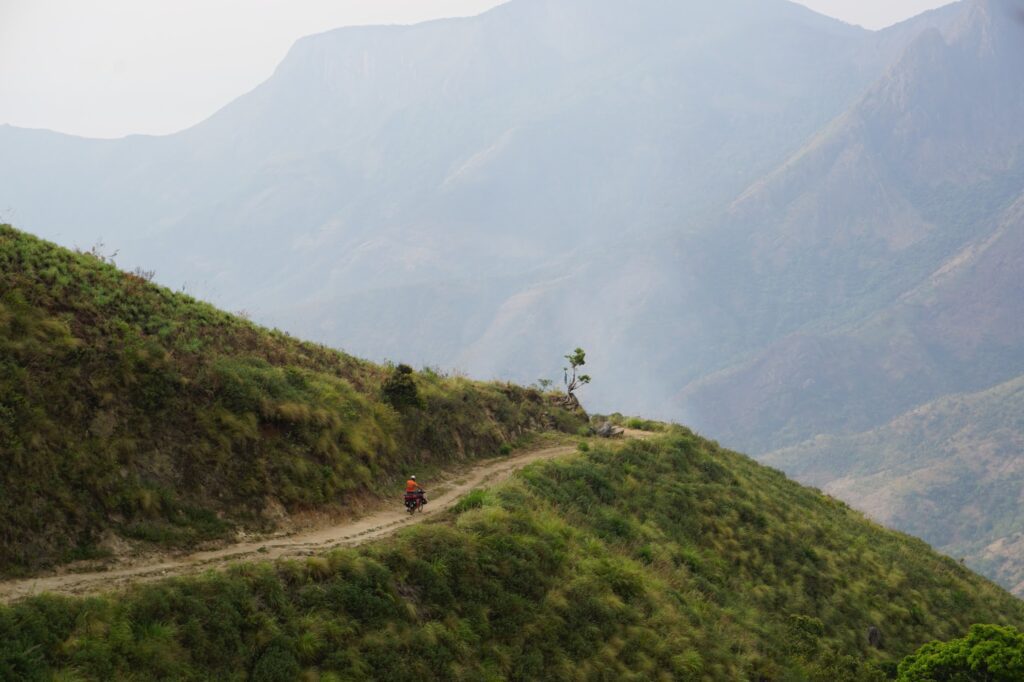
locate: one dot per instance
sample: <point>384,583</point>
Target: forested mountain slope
<point>895,239</point>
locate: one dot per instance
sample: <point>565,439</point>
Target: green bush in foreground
<point>668,559</point>
<point>988,653</point>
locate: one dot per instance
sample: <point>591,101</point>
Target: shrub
<point>644,424</point>
<point>988,652</point>
<point>276,664</point>
<point>400,388</point>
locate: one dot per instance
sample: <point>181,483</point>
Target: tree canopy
<point>989,653</point>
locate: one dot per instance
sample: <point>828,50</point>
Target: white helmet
<point>413,478</point>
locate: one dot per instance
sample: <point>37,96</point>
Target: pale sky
<point>107,68</point>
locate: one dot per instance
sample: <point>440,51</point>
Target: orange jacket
<point>412,486</point>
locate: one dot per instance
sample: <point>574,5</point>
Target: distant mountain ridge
<point>428,159</point>
<point>922,241</point>
<point>310,148</point>
<point>909,411</point>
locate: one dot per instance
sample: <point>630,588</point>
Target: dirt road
<point>350,533</point>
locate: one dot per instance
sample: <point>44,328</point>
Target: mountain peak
<point>992,26</point>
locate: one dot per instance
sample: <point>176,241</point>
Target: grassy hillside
<point>131,412</point>
<point>667,559</point>
<point>949,471</point>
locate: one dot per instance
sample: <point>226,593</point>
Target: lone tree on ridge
<point>574,381</point>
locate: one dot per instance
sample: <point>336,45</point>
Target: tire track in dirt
<point>377,524</point>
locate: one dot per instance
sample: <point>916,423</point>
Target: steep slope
<point>959,330</point>
<point>382,161</point>
<point>950,472</point>
<point>670,559</point>
<point>128,412</point>
<point>485,193</point>
<point>895,239</point>
<point>663,319</point>
<point>447,489</point>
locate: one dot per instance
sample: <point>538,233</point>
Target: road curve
<point>375,525</point>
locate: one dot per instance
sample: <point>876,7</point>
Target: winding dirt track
<point>347,534</point>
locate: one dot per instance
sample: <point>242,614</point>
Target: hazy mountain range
<point>758,220</point>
